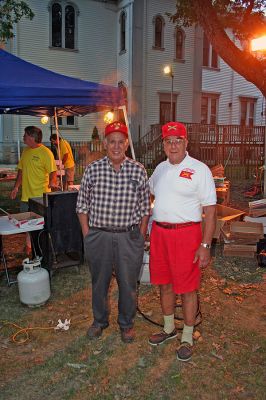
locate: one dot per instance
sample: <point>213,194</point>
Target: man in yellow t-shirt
<point>67,158</point>
<point>36,170</point>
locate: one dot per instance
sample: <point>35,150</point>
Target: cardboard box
<point>26,220</point>
<point>243,229</point>
<point>242,232</point>
<point>257,203</point>
<point>73,187</point>
<point>257,208</point>
<point>240,250</point>
<point>224,216</point>
<point>261,220</point>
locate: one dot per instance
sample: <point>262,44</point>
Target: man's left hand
<point>202,255</point>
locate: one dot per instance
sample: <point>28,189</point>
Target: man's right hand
<point>13,193</point>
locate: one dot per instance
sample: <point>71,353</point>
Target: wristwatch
<point>206,245</point>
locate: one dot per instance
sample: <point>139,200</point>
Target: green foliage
<point>95,134</point>
<point>11,12</point>
<point>245,18</point>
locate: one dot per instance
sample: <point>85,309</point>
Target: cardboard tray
<point>257,208</point>
<point>257,204</point>
<point>261,220</point>
<point>240,250</point>
<point>224,216</point>
<point>73,187</point>
<point>257,212</point>
<point>242,232</point>
<point>247,229</point>
<point>26,220</point>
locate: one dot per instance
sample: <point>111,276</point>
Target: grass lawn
<point>229,354</point>
<point>228,361</point>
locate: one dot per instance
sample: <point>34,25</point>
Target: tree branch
<point>241,61</point>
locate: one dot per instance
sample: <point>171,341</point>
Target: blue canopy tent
<point>28,89</point>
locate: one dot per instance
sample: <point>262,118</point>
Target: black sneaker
<point>161,337</point>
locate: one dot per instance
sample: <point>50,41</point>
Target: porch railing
<point>239,149</point>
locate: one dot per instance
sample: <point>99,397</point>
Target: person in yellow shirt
<point>67,158</point>
<point>36,171</point>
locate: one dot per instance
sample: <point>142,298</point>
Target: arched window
<point>70,27</point>
<point>179,44</point>
<point>63,17</point>
<point>122,31</point>
<point>56,25</point>
<point>158,22</point>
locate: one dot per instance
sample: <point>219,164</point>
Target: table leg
<point>3,259</point>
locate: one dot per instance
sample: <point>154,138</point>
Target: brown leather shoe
<point>94,332</point>
<point>127,335</point>
<point>161,337</point>
<point>184,352</point>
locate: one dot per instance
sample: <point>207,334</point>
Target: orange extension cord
<point>25,331</point>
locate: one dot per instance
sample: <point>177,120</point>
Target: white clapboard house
<point>128,43</point>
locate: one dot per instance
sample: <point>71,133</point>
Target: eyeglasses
<point>176,141</point>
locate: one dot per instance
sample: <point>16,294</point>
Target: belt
<point>168,225</point>
<point>115,229</point>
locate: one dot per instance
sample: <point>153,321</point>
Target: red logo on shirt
<point>186,174</point>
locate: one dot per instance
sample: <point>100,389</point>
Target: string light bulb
<point>44,119</point>
<point>109,117</point>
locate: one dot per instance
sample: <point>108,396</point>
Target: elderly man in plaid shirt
<point>113,209</point>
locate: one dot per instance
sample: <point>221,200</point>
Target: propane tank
<point>145,270</point>
<point>33,283</point>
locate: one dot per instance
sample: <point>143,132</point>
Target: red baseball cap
<point>174,129</point>
<point>116,127</point>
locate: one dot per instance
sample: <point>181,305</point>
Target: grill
<point>60,243</point>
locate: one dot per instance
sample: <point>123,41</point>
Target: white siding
<point>97,59</point>
<point>94,59</point>
<point>155,81</point>
<point>124,60</point>
<point>230,85</point>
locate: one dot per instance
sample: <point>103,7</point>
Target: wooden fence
<point>239,149</point>
<point>86,152</point>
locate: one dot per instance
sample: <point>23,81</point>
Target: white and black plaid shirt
<point>114,199</point>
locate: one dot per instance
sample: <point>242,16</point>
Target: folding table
<point>7,228</point>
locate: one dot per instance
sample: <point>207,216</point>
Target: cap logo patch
<point>174,129</point>
<point>116,126</point>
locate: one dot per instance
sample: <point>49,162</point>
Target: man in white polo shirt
<point>184,189</point>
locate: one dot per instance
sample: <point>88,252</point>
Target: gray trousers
<point>123,253</point>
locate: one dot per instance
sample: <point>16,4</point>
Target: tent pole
<point>129,133</point>
<point>58,147</point>
<point>19,153</point>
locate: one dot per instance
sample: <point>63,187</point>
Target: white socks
<point>169,326</point>
<point>187,334</point>
<point>169,323</point>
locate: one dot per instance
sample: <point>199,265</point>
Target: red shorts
<point>172,252</point>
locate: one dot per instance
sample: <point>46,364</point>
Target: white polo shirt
<point>181,190</point>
